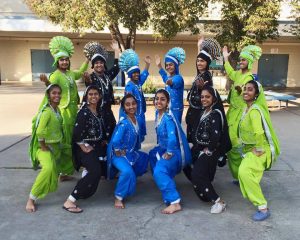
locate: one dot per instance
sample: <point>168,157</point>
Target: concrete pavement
<point>142,218</point>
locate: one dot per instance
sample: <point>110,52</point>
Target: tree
<point>246,22</point>
<point>165,17</point>
<point>295,28</point>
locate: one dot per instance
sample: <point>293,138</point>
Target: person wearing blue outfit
<point>123,153</point>
<point>129,62</point>
<point>173,79</point>
<point>171,155</point>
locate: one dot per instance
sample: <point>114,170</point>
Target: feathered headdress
<point>210,50</point>
<point>177,56</point>
<point>129,62</point>
<point>251,53</point>
<point>94,51</point>
<point>60,46</point>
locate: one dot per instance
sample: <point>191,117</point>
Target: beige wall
<point>15,61</point>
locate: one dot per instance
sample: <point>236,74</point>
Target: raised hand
<point>86,78</point>
<point>44,79</point>
<point>147,59</point>
<point>158,61</point>
<point>226,54</point>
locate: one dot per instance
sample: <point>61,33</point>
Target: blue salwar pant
<point>127,179</point>
<point>164,172</point>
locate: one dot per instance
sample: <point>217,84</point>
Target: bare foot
<point>119,204</point>
<point>30,207</point>
<point>171,209</point>
<point>64,178</point>
<point>71,207</point>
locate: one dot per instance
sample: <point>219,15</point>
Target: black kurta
<point>194,99</point>
<point>104,83</point>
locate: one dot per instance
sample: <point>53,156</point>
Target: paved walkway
<point>142,218</point>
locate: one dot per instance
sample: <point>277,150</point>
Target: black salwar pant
<point>202,174</point>
<point>88,185</point>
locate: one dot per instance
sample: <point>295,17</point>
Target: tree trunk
<point>116,35</point>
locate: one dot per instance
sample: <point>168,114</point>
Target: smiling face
<point>201,64</point>
<point>64,63</point>
<point>161,101</point>
<point>170,67</point>
<point>55,95</point>
<point>130,106</point>
<point>99,67</point>
<point>243,64</point>
<point>249,92</point>
<point>93,97</point>
<point>206,99</point>
<point>135,76</point>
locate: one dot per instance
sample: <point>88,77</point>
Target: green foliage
<point>149,86</point>
<point>295,29</point>
<point>165,17</point>
<point>247,22</point>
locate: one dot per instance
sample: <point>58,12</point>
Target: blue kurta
<point>137,92</point>
<point>175,91</point>
<point>170,139</point>
<point>126,137</point>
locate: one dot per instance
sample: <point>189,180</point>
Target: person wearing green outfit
<point>258,147</point>
<point>62,49</point>
<point>45,146</point>
<point>240,77</point>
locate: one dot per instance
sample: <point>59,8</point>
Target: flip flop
<point>68,209</point>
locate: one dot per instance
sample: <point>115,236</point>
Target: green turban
<point>251,53</point>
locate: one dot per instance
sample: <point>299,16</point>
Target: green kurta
<point>68,108</point>
<point>47,126</point>
<point>236,101</point>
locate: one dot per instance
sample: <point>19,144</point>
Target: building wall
<point>15,62</point>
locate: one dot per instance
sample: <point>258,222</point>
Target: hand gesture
<point>169,82</point>
<point>86,78</point>
<point>86,148</point>
<point>147,59</point>
<point>157,61</point>
<point>167,156</point>
<point>44,79</point>
<point>114,45</point>
<point>226,54</point>
<point>200,83</point>
<point>257,153</point>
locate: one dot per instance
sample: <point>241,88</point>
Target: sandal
<point>69,209</point>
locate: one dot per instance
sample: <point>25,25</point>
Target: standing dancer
<point>89,147</point>
<point>258,145</point>
<point>62,49</point>
<point>247,57</point>
<point>173,80</point>
<point>102,78</point>
<point>209,49</point>
<point>45,146</point>
<point>123,153</point>
<point>172,153</point>
<point>129,62</point>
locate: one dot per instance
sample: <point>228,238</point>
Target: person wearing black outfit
<point>102,78</point>
<point>89,147</point>
<point>210,139</point>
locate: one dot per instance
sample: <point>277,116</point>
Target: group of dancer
<point>64,139</point>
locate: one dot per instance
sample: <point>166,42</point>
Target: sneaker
<point>218,207</point>
<point>260,216</point>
